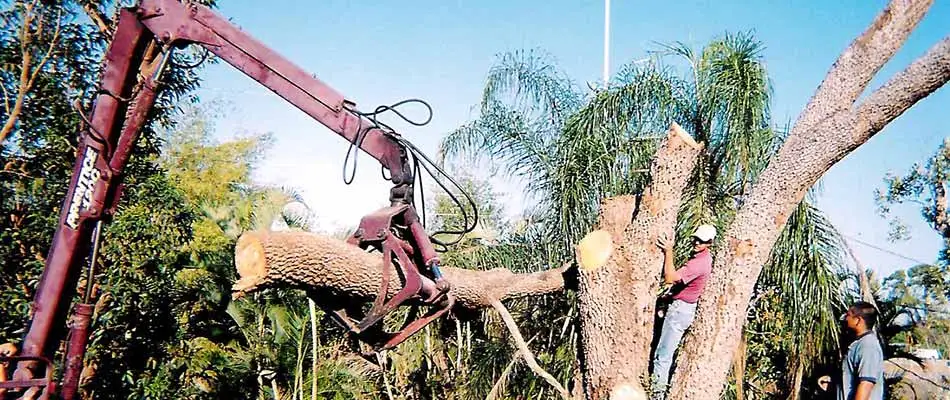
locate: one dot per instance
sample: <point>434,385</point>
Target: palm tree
<point>571,149</point>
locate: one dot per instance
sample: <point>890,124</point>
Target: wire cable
<point>418,160</point>
<point>891,252</point>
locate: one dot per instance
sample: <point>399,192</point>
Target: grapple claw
<point>393,231</point>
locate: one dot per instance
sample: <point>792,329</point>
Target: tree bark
<point>738,369</point>
<point>97,17</point>
<point>829,128</point>
<point>863,282</point>
<point>618,275</point>
<point>941,220</point>
<point>339,272</point>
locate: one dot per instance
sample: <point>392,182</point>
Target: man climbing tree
<point>688,283</point>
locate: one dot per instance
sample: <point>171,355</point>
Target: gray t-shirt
<point>864,361</point>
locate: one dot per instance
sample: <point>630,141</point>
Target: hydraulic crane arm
<point>174,22</point>
<point>140,50</point>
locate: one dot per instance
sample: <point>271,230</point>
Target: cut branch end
<point>678,131</point>
<point>250,263</point>
<point>594,250</point>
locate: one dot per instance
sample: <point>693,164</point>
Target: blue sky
<point>440,51</point>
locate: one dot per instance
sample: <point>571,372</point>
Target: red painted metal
<point>45,384</point>
<point>76,349</point>
<point>84,200</point>
<point>379,230</point>
<point>107,144</point>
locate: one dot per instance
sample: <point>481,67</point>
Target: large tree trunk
<point>829,128</point>
<point>620,266</point>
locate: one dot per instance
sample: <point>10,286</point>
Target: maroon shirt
<point>693,277</point>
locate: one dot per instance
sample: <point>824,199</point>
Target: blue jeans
<point>679,316</point>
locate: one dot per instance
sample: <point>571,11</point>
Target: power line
<point>888,251</point>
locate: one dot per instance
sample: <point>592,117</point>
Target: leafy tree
<point>925,187</point>
<point>922,291</point>
<point>51,59</point>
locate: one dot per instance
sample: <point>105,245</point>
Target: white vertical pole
<point>606,41</point>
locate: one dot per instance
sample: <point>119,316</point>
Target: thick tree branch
<point>525,351</point>
<point>329,266</point>
<point>856,66</point>
<point>921,78</point>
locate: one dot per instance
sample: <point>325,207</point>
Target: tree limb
<point>921,78</point>
<point>525,351</point>
<point>331,267</point>
<point>27,59</point>
<point>619,268</point>
<point>862,59</point>
<point>823,135</point>
<point>49,51</point>
<point>27,72</point>
<point>863,281</point>
<point>502,380</point>
<point>941,221</point>
<point>6,100</point>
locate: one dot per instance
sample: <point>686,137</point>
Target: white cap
<point>705,233</point>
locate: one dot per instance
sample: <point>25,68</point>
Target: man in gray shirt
<point>862,369</point>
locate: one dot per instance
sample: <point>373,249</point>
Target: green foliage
<point>920,295</point>
<point>920,307</point>
<point>924,186</point>
<point>165,326</point>
<point>794,317</point>
<point>142,250</point>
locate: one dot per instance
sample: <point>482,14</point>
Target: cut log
<point>325,266</point>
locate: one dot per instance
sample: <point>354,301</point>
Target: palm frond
<point>806,267</point>
<point>503,136</point>
<point>530,82</point>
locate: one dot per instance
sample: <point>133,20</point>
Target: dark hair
<point>866,311</point>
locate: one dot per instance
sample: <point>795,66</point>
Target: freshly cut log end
<point>250,264</point>
<point>594,250</point>
<point>626,392</point>
<point>685,136</point>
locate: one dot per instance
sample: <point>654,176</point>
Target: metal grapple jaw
<point>395,231</point>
